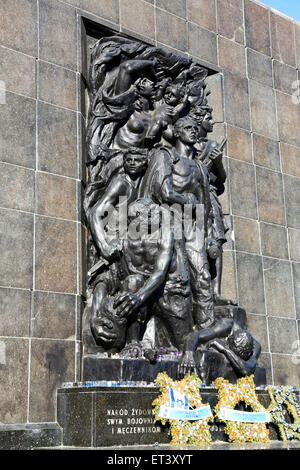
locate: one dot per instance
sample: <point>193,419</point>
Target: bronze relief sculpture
<point>155,224</point>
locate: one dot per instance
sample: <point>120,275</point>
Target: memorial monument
<point>155,224</point>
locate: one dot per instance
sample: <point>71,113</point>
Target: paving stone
<point>286,371</point>
<point>228,288</point>
<point>296,283</point>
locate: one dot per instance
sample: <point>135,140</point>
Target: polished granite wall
<point>256,53</point>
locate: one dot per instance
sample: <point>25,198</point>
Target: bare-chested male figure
<point>174,177</point>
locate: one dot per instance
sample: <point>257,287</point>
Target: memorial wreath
<point>284,399</point>
<point>230,395</point>
<point>183,431</point>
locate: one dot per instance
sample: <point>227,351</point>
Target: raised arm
<point>129,72</point>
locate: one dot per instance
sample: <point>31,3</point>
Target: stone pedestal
<point>92,415</point>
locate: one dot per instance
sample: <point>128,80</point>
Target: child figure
<point>175,100</point>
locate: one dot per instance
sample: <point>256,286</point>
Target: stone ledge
<point>30,436</point>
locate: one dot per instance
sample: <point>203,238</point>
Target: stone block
<point>290,159</point>
<point>228,288</point>
<point>274,241</point>
<point>232,56</point>
<point>138,16</point>
<point>294,241</point>
<point>257,27</point>
<point>292,200</point>
<point>285,371</point>
<point>55,259</point>
<point>56,196</point>
<point>270,196</point>
<point>282,334</point>
<point>30,436</point>
<point>265,361</point>
<point>263,109</point>
<point>257,326</point>
<point>202,43</point>
<point>177,7</point>
<point>236,96</point>
<point>215,99</point>
<point>16,233</point>
<point>52,362</point>
<point>57,34</point>
<point>171,30</point>
<point>231,20</point>
<point>278,288</point>
<point>19,26</point>
<point>57,129</point>
<point>203,13</point>
<point>288,119</point>
<point>103,8</point>
<point>15,306</point>
<point>259,67</point>
<point>18,131</point>
<point>246,235</point>
<point>19,187</point>
<point>243,201</point>
<point>14,380</point>
<point>250,283</point>
<point>53,315</point>
<point>297,42</point>
<point>282,39</point>
<point>239,144</point>
<point>296,283</point>
<point>284,77</point>
<point>266,152</point>
<point>57,85</point>
<point>18,72</point>
<point>75,415</point>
